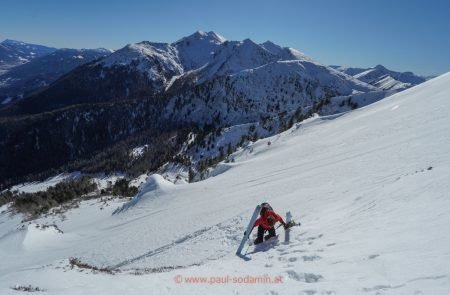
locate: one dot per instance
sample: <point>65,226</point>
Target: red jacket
<point>263,219</point>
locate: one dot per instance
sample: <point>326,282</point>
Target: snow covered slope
<point>235,90</point>
<point>198,49</point>
<point>370,188</point>
<point>163,61</point>
<point>348,70</point>
<point>385,79</point>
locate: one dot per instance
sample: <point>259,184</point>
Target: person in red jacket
<point>267,223</point>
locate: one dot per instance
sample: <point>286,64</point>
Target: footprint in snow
<point>314,238</point>
<point>311,258</point>
<point>293,252</point>
<point>382,288</point>
<point>312,292</point>
<point>304,277</point>
<point>299,251</point>
<point>304,258</point>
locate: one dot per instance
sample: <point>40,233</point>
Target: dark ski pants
<point>261,231</point>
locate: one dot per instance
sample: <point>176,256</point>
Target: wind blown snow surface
<point>371,188</point>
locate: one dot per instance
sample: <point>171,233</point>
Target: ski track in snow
<point>229,228</point>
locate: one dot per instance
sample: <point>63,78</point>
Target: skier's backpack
<point>264,208</point>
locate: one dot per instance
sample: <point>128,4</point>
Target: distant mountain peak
<point>268,42</point>
<point>14,53</point>
<point>212,35</point>
<point>16,43</point>
<point>101,49</point>
<point>249,42</point>
<point>217,36</point>
<point>272,47</point>
<point>380,67</point>
<point>383,78</point>
<point>197,49</point>
<point>201,35</point>
<point>12,42</point>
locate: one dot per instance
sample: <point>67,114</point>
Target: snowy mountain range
<point>148,68</point>
<point>383,78</point>
<point>14,53</point>
<point>198,84</point>
<point>21,80</point>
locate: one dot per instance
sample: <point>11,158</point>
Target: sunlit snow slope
<point>371,188</point>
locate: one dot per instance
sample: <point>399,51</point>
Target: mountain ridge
<point>383,78</point>
<point>21,80</point>
<point>175,89</point>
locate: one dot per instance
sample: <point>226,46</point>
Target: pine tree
<point>191,174</point>
<point>229,149</point>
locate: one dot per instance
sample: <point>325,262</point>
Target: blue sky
<point>402,35</point>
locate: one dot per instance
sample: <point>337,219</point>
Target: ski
<point>287,231</point>
<point>249,230</point>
